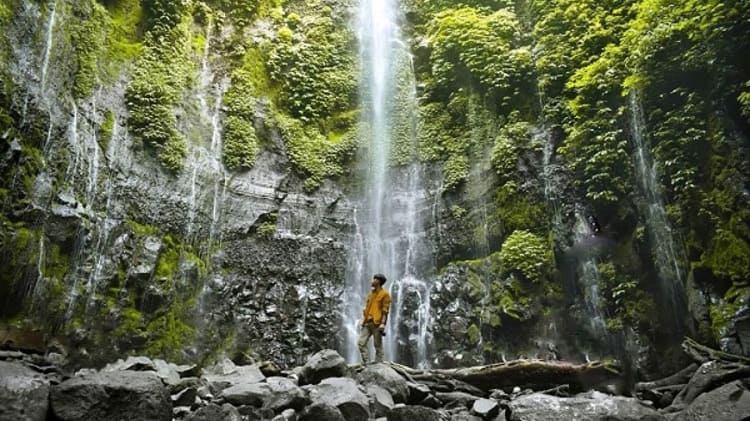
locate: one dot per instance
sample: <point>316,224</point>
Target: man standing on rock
<point>374,317</point>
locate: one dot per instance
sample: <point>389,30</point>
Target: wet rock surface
<point>140,388</point>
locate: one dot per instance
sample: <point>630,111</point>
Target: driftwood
<point>681,377</point>
<point>531,374</point>
<point>701,353</point>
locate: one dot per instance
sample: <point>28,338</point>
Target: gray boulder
<point>24,394</point>
<point>323,364</point>
<point>185,397</point>
<point>285,394</point>
<point>588,407</point>
<point>229,376</point>
<point>463,416</point>
<point>132,364</point>
<point>321,411</point>
<point>381,402</point>
<point>113,396</point>
<point>457,398</point>
<point>344,394</point>
<point>254,394</point>
<point>413,413</point>
<point>485,408</point>
<point>287,415</point>
<point>386,377</point>
<point>730,402</point>
<point>214,412</point>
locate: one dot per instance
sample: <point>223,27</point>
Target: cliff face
<point>181,178</point>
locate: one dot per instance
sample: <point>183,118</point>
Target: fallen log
<point>680,377</point>
<point>701,353</point>
<point>531,374</point>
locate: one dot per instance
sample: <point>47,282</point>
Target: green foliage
<point>512,137</point>
<point>160,75</point>
<point>518,211</point>
<point>728,256</point>
<point>167,266</point>
<point>107,129</point>
<point>472,46</point>
<point>88,38</point>
<point>240,143</point>
<point>266,230</point>
<point>527,254</point>
<point>124,42</point>
<point>473,334</point>
<point>724,311</point>
<point>744,100</point>
<point>314,69</point>
<point>313,154</point>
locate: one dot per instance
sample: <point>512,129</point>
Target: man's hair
<point>380,277</point>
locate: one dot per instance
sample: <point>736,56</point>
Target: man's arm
<point>386,305</point>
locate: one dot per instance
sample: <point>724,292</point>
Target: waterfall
<point>664,247</point>
<point>48,46</point>
<point>389,235</point>
<point>589,278</point>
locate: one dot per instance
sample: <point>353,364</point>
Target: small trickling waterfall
<point>589,278</point>
<point>48,46</point>
<point>389,234</point>
<point>665,249</point>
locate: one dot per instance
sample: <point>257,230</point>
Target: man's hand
<point>381,327</point>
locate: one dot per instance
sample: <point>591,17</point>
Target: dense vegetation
<point>506,90</point>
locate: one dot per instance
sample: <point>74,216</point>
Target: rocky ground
<point>35,387</point>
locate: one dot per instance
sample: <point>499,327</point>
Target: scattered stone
<point>456,398</point>
<point>254,394</point>
<point>237,375</point>
<point>321,411</point>
<point>387,378</point>
<point>118,395</point>
<point>191,370</point>
<point>184,383</point>
<point>730,402</point>
<point>24,394</point>
<point>344,394</point>
<point>463,416</point>
<point>323,364</point>
<point>132,364</point>
<point>413,413</point>
<point>381,401</point>
<point>286,415</point>
<point>269,369</point>
<point>284,394</point>
<point>588,407</point>
<point>185,397</point>
<point>167,372</point>
<point>485,408</point>
<point>215,412</point>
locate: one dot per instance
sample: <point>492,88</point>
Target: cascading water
<point>589,278</point>
<point>389,237</point>
<point>664,246</point>
<point>48,46</point>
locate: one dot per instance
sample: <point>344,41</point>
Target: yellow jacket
<point>378,303</point>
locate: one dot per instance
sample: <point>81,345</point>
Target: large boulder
<point>285,394</point>
<point>344,394</point>
<point>323,364</point>
<point>253,394</point>
<point>413,413</point>
<point>114,396</point>
<point>214,412</point>
<point>386,377</point>
<point>381,402</point>
<point>227,375</point>
<point>587,407</point>
<point>730,402</point>
<point>485,408</point>
<point>321,411</point>
<point>24,394</point>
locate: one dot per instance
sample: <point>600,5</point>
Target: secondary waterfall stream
<point>389,228</point>
<point>663,244</point>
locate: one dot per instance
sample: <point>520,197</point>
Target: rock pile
<point>326,389</point>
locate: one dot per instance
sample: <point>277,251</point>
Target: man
<point>374,318</point>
